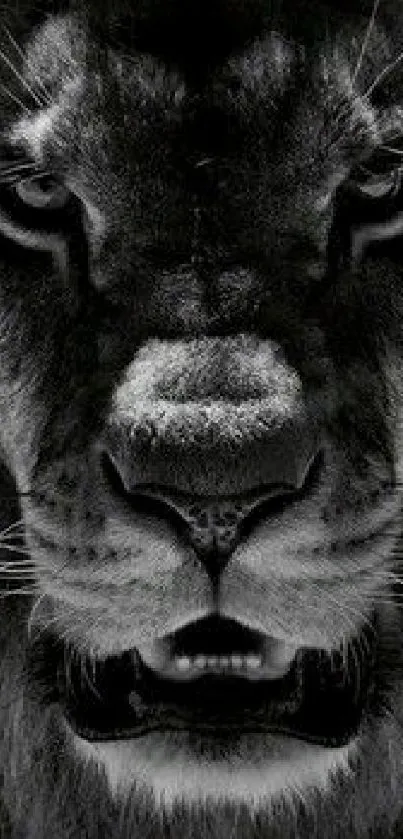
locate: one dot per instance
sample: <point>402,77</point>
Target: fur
<point>214,294</point>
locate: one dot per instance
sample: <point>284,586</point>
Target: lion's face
<point>200,353</point>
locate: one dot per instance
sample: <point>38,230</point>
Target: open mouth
<point>216,675</point>
<point>220,678</point>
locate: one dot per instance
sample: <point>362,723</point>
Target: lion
<point>201,309</point>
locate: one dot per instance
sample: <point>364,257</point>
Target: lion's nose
<point>211,429</point>
<point>211,417</point>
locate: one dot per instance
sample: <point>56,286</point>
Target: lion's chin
<point>194,767</point>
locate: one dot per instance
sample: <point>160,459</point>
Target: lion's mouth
<point>317,696</point>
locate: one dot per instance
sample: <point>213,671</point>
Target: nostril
<point>142,500</point>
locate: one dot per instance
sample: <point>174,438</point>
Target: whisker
<point>41,174</point>
<point>35,637</point>
<point>17,74</point>
<point>25,592</point>
<point>348,612</point>
<point>383,74</point>
<point>84,664</point>
<point>18,563</point>
<point>14,549</point>
<point>364,645</point>
<point>43,628</point>
<point>391,150</point>
<point>25,59</point>
<point>15,99</point>
<point>9,181</point>
<point>15,524</point>
<point>8,168</point>
<point>15,538</point>
<point>31,570</point>
<point>392,139</point>
<point>382,602</point>
<point>38,601</point>
<point>15,563</point>
<point>387,576</point>
<point>16,533</point>
<point>357,665</point>
<point>367,36</point>
<point>32,613</point>
<point>13,173</point>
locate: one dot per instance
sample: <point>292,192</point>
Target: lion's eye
<point>34,202</point>
<point>42,192</point>
<point>379,178</point>
<point>29,194</point>
<point>375,185</point>
<point>369,206</point>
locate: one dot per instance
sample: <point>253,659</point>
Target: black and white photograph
<point>201,419</point>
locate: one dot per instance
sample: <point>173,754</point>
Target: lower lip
<point>316,701</point>
<point>320,699</point>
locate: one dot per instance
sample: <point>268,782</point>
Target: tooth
<point>183,663</point>
<point>253,662</point>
